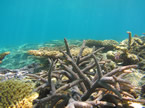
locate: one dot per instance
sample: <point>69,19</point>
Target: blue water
<point>34,21</point>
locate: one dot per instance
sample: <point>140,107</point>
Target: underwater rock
<point>16,94</point>
<point>2,56</point>
<point>108,44</point>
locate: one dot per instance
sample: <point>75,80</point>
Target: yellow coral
<point>16,94</point>
<point>56,54</point>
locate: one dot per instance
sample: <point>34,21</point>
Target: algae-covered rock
<point>16,94</point>
<point>108,44</point>
<point>2,56</point>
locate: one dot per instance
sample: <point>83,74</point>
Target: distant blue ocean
<point>34,21</point>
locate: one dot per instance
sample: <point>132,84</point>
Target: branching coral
<point>16,94</point>
<point>73,85</point>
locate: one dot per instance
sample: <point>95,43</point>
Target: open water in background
<point>34,21</point>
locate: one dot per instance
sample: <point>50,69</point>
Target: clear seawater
<point>34,21</point>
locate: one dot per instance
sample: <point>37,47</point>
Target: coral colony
<point>79,82</point>
<point>78,77</point>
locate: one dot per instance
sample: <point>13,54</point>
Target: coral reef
<point>16,94</point>
<point>83,83</point>
<point>18,57</point>
<point>129,51</point>
<point>107,44</point>
<point>2,56</point>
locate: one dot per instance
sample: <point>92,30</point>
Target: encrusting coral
<point>81,83</point>
<point>2,56</point>
<point>57,54</point>
<point>16,94</point>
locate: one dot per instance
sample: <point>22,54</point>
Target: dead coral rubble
<point>73,85</point>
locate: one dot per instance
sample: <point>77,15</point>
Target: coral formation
<point>16,94</point>
<point>82,82</point>
<point>57,54</point>
<point>108,44</point>
<point>2,56</point>
<point>129,51</point>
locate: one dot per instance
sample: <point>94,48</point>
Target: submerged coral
<point>2,56</point>
<point>82,83</point>
<point>16,94</point>
<point>56,53</point>
<point>129,51</point>
<point>107,44</point>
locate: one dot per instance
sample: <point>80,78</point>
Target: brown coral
<point>2,56</point>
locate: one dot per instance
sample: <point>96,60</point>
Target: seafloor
<point>74,74</point>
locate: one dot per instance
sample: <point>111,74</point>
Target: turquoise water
<point>34,21</point>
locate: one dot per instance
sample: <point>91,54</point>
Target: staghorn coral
<point>2,56</point>
<point>16,94</point>
<point>85,84</point>
<point>129,39</point>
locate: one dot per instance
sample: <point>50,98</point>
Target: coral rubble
<point>82,82</point>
